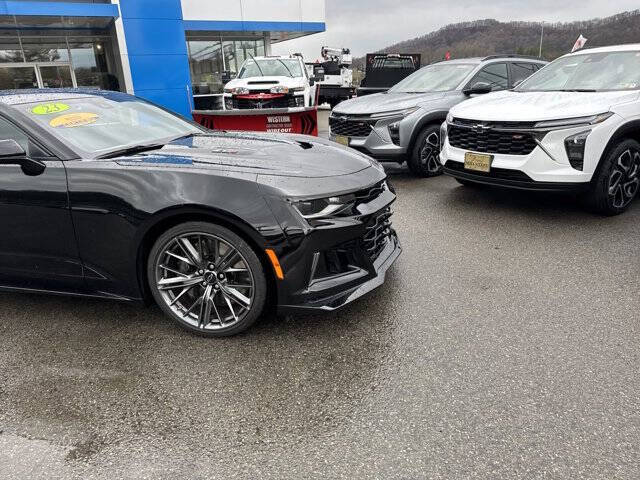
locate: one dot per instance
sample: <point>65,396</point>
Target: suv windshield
<point>434,78</point>
<point>271,67</point>
<point>98,125</point>
<point>589,71</point>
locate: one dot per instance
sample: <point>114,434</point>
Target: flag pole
<point>541,37</point>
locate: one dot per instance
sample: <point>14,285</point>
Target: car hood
<point>255,153</point>
<point>537,106</point>
<point>266,82</point>
<point>385,102</point>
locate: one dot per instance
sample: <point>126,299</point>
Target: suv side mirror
<point>479,88</point>
<point>11,150</point>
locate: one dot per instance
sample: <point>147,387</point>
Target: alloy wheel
<point>205,281</point>
<point>624,179</point>
<point>429,153</point>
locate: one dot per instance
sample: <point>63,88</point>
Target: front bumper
<point>337,261</point>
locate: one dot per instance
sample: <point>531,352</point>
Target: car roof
<point>629,47</point>
<point>17,97</point>
<point>494,58</point>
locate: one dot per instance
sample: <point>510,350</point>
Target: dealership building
<point>172,52</point>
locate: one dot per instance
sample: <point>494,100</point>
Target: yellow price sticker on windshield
<point>49,108</point>
<point>71,120</point>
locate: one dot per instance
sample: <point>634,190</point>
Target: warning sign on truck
<point>279,124</point>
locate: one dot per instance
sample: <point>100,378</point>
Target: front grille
<point>501,173</point>
<point>280,102</point>
<point>369,194</point>
<point>351,127</point>
<point>490,140</point>
<point>378,233</point>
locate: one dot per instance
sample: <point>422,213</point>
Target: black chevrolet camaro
<point>105,195</point>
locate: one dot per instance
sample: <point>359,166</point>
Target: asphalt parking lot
<point>503,345</point>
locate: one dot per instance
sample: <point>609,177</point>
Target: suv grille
<point>492,138</point>
<point>281,102</point>
<point>378,232</point>
<point>351,127</point>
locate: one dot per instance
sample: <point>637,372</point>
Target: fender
<point>629,129</point>
<point>435,117</point>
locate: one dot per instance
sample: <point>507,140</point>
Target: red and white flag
<point>579,43</point>
<point>447,56</point>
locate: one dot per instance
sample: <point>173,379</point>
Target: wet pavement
<point>503,345</point>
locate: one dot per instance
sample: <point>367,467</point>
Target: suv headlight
<point>395,113</point>
<point>449,117</point>
<point>574,122</point>
<point>444,131</point>
<point>575,146</point>
<point>324,207</point>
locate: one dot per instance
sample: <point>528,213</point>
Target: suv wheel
<point>425,158</point>
<point>618,179</point>
<point>207,279</point>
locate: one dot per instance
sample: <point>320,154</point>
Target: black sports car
<point>103,194</point>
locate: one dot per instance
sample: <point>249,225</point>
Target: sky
<point>369,25</point>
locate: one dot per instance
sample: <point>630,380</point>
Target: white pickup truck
<point>271,82</point>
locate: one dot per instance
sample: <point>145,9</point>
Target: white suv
<point>574,125</point>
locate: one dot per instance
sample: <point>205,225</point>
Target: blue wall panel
<point>58,9</point>
<point>157,50</point>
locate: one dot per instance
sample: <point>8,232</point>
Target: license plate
<point>478,162</point>
<point>341,139</point>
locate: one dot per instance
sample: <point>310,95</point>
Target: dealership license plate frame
<point>478,162</point>
<point>342,140</point>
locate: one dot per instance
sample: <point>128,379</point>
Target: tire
<point>617,180</point>
<point>424,160</point>
<point>183,269</point>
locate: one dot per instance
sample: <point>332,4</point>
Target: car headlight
<point>444,131</point>
<point>396,113</point>
<point>575,146</point>
<point>323,207</point>
<point>574,122</point>
<point>240,91</point>
<point>449,117</point>
<point>279,89</point>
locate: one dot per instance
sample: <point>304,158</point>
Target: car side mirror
<point>11,153</point>
<point>312,81</point>
<point>11,150</point>
<point>479,88</point>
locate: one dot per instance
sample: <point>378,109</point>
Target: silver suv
<point>403,124</point>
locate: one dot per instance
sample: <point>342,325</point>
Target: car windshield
<point>590,71</point>
<point>271,67</point>
<point>434,78</point>
<point>99,125</point>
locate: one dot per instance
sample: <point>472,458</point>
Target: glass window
<point>229,52</point>
<point>521,71</point>
<point>205,62</point>
<point>47,49</point>
<point>10,132</point>
<point>271,67</point>
<point>10,51</point>
<point>588,71</point>
<point>98,125</point>
<point>18,78</point>
<point>495,75</point>
<point>56,76</point>
<point>91,60</point>
<point>441,77</point>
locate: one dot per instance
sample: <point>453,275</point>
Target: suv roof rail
<point>511,55</point>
